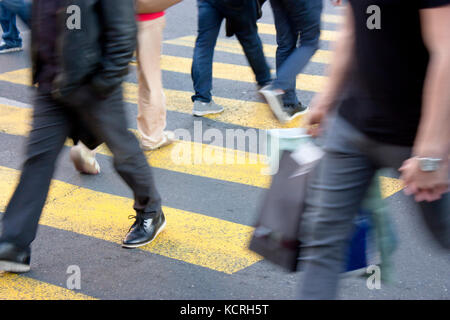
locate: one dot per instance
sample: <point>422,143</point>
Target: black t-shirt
<point>383,96</point>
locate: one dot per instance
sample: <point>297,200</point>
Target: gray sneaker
<point>204,108</point>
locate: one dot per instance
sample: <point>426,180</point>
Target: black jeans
<point>101,121</point>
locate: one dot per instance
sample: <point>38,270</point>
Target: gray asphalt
<point>109,272</point>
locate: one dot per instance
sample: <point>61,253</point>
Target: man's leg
<point>151,119</point>
<point>287,39</point>
<point>11,35</point>
<point>47,137</point>
<point>333,200</point>
<point>22,8</point>
<point>209,21</point>
<point>304,15</point>
<point>106,120</point>
<point>252,45</point>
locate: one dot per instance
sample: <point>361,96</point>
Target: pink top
<point>149,16</point>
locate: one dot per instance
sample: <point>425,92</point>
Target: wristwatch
<point>429,164</point>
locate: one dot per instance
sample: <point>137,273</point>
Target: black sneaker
<point>293,111</point>
<point>144,230</point>
<point>14,259</point>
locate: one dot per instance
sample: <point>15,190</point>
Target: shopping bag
<point>276,231</point>
<point>383,228</point>
<point>357,255</point>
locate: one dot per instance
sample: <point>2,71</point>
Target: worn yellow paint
<point>20,76</point>
<point>238,112</point>
<point>227,71</point>
<point>390,186</point>
<point>233,46</point>
<point>183,156</point>
<point>15,120</point>
<point>190,237</point>
<point>221,70</point>
<point>326,35</point>
<point>246,173</point>
<point>234,72</point>
<point>17,287</point>
<point>306,82</point>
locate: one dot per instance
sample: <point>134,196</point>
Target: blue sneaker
<point>4,48</point>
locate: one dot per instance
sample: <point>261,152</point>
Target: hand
<point>319,109</point>
<point>426,186</point>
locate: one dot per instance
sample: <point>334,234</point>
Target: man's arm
<point>338,72</point>
<point>433,137</point>
<point>119,42</point>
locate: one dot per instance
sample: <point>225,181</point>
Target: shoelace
<point>138,221</point>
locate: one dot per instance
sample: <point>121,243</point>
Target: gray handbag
<point>276,235</point>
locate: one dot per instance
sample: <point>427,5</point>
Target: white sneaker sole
<point>132,246</point>
<point>274,105</point>
<point>15,267</point>
<point>204,113</point>
<point>11,50</point>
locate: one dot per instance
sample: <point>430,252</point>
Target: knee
<point>205,43</point>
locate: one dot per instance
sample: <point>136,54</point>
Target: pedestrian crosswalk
<point>15,287</point>
<point>235,165</point>
<point>199,239</point>
<point>326,35</point>
<point>239,112</point>
<point>231,46</point>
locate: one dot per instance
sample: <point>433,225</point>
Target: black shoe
<point>144,230</point>
<point>293,111</point>
<point>14,259</point>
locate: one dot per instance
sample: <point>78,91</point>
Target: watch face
<point>428,165</point>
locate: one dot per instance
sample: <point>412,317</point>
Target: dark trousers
<point>298,31</point>
<point>53,122</point>
<point>210,18</point>
<point>334,197</point>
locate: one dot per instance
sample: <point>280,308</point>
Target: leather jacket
<point>98,53</point>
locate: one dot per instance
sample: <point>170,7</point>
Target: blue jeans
<point>11,35</point>
<point>292,18</point>
<point>22,8</point>
<point>210,18</point>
